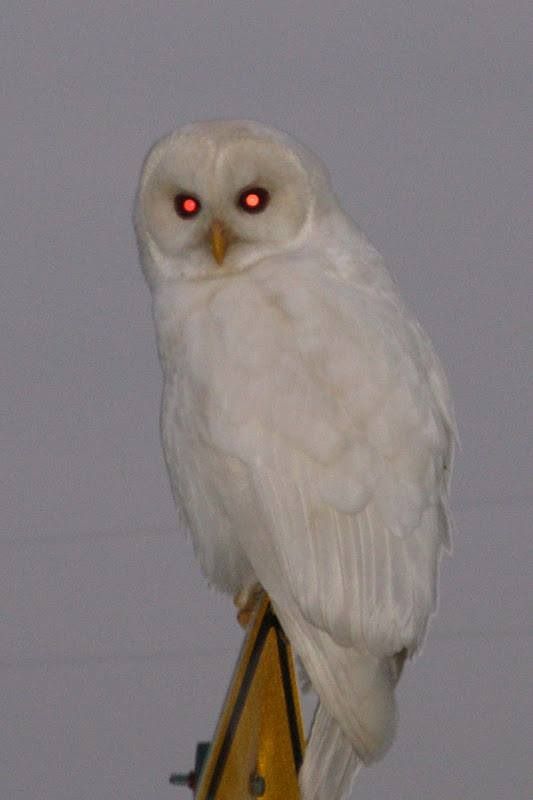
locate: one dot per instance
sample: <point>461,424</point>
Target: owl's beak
<point>219,241</point>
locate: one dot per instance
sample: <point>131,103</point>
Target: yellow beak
<point>219,241</point>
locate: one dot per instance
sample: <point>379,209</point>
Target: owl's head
<point>217,197</point>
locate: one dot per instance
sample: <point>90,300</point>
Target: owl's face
<point>216,197</point>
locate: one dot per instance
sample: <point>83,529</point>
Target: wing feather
<point>334,403</point>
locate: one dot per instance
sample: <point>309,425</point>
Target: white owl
<point>306,421</point>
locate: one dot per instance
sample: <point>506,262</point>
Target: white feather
<point>331,762</point>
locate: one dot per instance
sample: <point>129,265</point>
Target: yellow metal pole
<point>258,744</point>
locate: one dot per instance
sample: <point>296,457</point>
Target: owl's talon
<point>247,600</point>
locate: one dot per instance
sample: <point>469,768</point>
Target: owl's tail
<point>356,718</point>
<point>330,763</point>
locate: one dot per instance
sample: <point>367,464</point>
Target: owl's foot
<point>247,601</point>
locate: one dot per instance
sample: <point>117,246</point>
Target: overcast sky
<point>114,657</point>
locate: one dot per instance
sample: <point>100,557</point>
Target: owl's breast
<point>208,489</point>
<point>209,485</point>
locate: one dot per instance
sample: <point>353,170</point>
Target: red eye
<point>253,200</point>
<point>186,205</point>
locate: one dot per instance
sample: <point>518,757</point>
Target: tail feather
<point>357,689</point>
<point>356,718</point>
<point>330,763</point>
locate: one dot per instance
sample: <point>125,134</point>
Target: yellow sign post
<point>258,744</point>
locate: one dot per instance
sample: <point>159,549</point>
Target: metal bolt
<point>257,785</point>
<point>181,779</point>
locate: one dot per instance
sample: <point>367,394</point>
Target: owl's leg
<point>247,600</point>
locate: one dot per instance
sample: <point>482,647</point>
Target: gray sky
<point>114,657</point>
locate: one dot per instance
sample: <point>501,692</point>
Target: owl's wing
<point>335,403</point>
